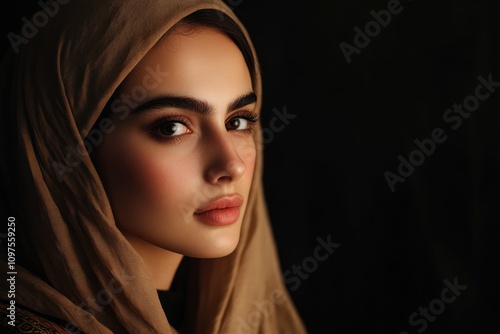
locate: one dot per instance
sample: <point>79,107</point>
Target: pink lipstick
<point>220,211</point>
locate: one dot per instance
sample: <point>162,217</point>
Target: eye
<point>242,122</point>
<point>237,123</point>
<point>171,129</point>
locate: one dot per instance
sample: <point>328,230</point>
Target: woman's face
<point>179,162</point>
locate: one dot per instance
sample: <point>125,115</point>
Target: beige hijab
<point>73,262</point>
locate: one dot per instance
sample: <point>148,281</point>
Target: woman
<point>132,172</point>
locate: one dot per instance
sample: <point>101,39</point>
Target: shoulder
<point>23,320</point>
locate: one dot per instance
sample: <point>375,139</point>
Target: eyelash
<point>153,129</point>
<point>250,117</point>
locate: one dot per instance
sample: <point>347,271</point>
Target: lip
<point>220,211</point>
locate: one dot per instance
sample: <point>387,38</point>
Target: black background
<point>324,170</point>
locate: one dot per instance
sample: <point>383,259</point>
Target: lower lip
<point>219,217</point>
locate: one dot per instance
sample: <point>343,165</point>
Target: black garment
<point>173,305</point>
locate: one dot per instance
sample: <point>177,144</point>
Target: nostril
<point>225,178</point>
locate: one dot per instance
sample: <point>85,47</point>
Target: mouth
<point>220,211</point>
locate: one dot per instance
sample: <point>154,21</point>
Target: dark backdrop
<point>324,170</point>
<point>357,255</point>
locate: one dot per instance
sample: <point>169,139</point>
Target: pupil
<point>168,129</point>
<point>236,123</point>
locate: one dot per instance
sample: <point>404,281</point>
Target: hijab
<point>72,261</point>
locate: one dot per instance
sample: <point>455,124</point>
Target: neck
<point>161,263</point>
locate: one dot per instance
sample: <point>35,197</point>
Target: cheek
<point>151,176</point>
<point>147,179</point>
<point>248,153</point>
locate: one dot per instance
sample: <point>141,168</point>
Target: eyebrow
<point>191,104</point>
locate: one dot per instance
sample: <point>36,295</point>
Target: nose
<point>224,161</point>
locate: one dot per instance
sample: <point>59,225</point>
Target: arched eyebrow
<point>242,101</point>
<point>191,104</point>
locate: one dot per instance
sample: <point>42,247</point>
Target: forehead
<point>192,59</point>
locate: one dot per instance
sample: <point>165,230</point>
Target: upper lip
<point>223,202</point>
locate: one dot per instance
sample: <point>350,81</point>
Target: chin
<point>223,251</point>
<point>219,247</point>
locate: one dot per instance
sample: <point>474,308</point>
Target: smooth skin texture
<point>166,160</point>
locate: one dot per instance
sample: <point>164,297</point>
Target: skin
<point>158,174</point>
